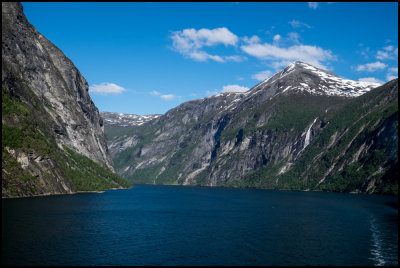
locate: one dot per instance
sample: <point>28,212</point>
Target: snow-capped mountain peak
<point>125,120</point>
<point>302,77</point>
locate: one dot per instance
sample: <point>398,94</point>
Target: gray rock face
<point>53,135</point>
<point>55,80</point>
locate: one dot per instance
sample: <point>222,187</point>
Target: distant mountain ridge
<point>251,138</point>
<point>125,120</point>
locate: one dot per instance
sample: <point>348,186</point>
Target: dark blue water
<point>176,225</point>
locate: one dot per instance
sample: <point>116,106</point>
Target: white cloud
<point>190,42</point>
<point>204,37</point>
<point>388,53</point>
<point>371,79</point>
<point>392,73</point>
<point>391,77</point>
<point>294,37</point>
<point>261,75</point>
<point>311,54</point>
<point>234,88</point>
<point>235,58</point>
<point>204,56</point>
<point>212,92</point>
<point>371,67</point>
<point>313,5</point>
<point>382,55</point>
<point>298,24</point>
<point>388,48</point>
<point>163,96</point>
<point>277,37</point>
<point>252,40</point>
<point>277,65</point>
<point>168,97</point>
<point>227,88</point>
<point>106,88</point>
<point>155,93</point>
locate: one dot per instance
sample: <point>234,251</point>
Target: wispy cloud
<point>372,67</point>
<point>212,92</point>
<point>392,73</point>
<point>313,5</point>
<point>252,40</point>
<point>235,58</point>
<point>155,93</point>
<point>277,65</point>
<point>191,43</point>
<point>294,37</point>
<point>261,75</point>
<point>371,80</point>
<point>227,88</point>
<point>166,97</point>
<point>383,55</point>
<point>388,48</point>
<point>388,53</point>
<point>365,52</point>
<point>298,24</point>
<point>310,54</point>
<point>106,88</point>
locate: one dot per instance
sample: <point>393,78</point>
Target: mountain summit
<point>303,77</point>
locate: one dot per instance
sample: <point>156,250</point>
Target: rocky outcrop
<point>46,102</point>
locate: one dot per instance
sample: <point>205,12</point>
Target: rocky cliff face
<point>45,104</point>
<point>226,139</point>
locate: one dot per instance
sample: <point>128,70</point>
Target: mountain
<point>124,120</point>
<point>117,124</point>
<point>263,137</point>
<point>303,77</point>
<point>52,133</point>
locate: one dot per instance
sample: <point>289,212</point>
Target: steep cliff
<point>239,139</point>
<point>50,125</point>
<point>357,151</point>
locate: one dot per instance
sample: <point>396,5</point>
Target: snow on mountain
<point>299,78</point>
<point>125,120</point>
<point>303,77</point>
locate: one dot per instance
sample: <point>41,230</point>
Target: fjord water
<point>177,225</point>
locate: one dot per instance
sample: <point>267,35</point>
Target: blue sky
<point>145,58</point>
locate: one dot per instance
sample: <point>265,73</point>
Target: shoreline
<point>69,193</point>
<point>269,189</point>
